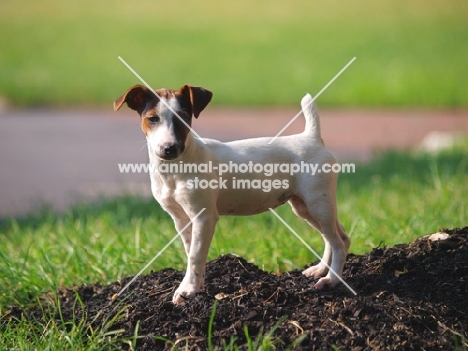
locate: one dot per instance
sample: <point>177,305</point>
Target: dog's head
<point>166,115</point>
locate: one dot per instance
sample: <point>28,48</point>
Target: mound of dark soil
<point>410,297</point>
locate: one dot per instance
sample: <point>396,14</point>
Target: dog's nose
<point>170,150</point>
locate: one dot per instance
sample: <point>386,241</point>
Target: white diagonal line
<point>311,102</point>
<point>159,253</point>
<point>313,251</point>
<point>162,100</point>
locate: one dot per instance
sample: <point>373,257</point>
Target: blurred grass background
<point>409,53</point>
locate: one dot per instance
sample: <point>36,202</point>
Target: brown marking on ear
<point>136,98</point>
<point>199,98</point>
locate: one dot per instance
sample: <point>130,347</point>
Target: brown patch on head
<point>148,118</point>
<point>165,93</point>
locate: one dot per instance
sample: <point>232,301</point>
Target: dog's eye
<point>153,119</point>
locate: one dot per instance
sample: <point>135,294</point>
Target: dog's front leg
<point>186,234</point>
<point>203,228</point>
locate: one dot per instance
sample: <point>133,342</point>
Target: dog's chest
<point>164,189</point>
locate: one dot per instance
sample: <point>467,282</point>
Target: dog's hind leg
<point>343,235</point>
<point>333,234</point>
<point>300,209</point>
<point>322,216</point>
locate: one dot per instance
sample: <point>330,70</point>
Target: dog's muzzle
<point>170,151</point>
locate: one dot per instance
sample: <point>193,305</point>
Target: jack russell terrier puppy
<point>169,140</point>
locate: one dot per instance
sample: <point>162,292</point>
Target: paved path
<point>59,157</point>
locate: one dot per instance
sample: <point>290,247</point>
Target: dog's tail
<point>309,109</point>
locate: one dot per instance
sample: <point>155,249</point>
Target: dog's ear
<point>199,97</point>
<point>136,98</point>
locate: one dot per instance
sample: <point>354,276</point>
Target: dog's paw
<point>322,282</point>
<point>182,294</point>
<point>316,271</point>
<point>329,280</point>
<point>185,291</point>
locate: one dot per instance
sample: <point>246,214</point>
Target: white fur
<point>164,134</point>
<point>311,197</point>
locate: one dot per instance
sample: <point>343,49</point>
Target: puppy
<point>165,120</point>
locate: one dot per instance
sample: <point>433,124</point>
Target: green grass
<point>395,198</point>
<point>50,334</point>
<point>409,53</point>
